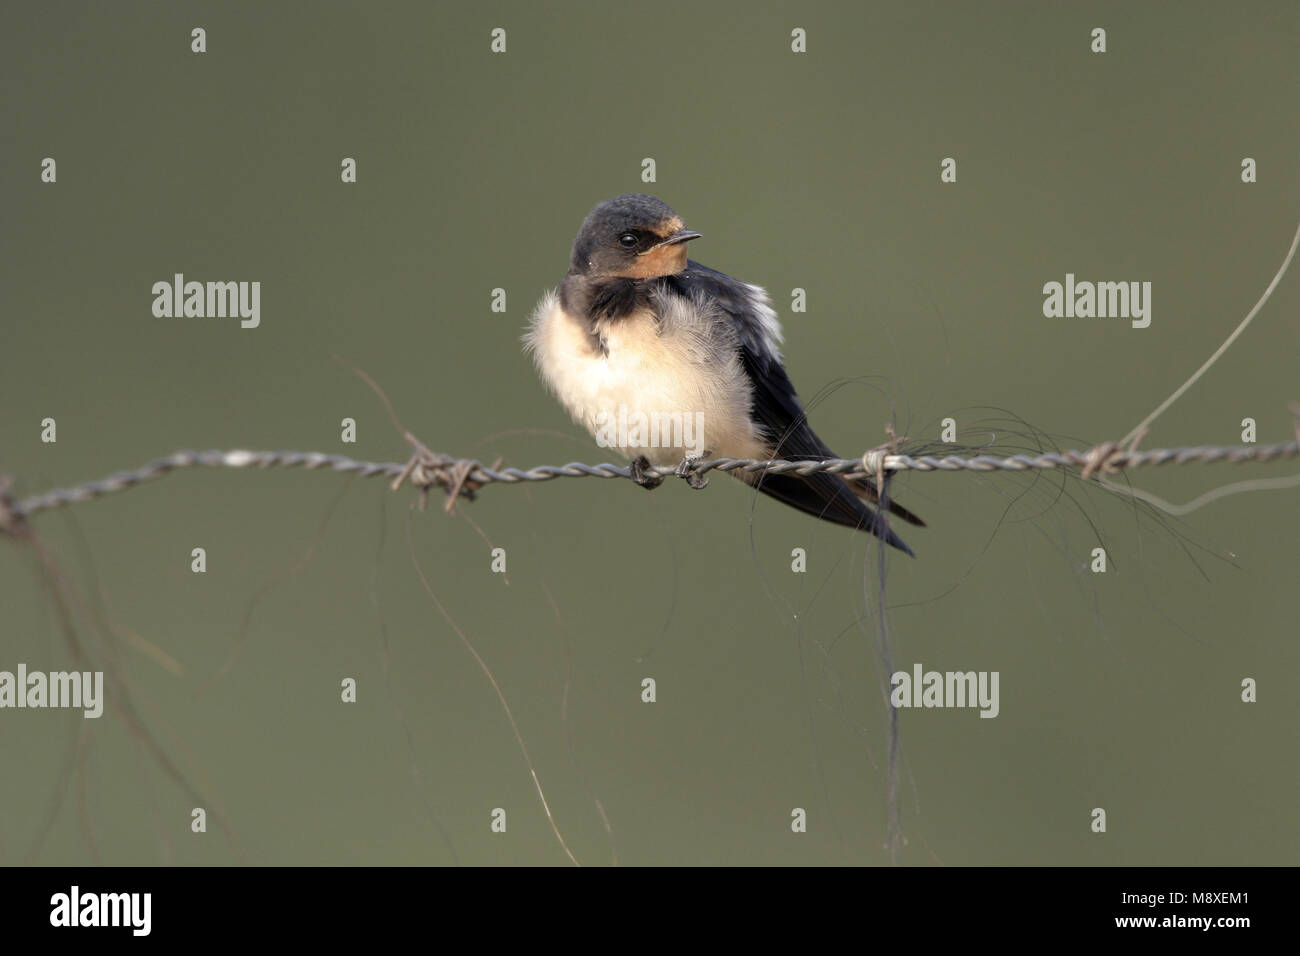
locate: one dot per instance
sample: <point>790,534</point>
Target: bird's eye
<point>627,240</point>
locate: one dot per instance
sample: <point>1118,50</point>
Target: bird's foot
<point>638,468</point>
<point>686,469</point>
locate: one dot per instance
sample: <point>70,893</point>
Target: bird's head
<point>634,236</point>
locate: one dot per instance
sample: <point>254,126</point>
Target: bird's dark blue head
<point>634,236</point>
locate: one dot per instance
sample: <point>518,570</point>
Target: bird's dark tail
<point>830,498</point>
<point>866,488</point>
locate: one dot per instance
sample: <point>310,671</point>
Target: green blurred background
<point>818,171</point>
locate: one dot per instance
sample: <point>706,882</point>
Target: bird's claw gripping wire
<point>638,470</point>
<point>688,468</point>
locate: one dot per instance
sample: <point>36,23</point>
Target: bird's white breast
<point>679,374</point>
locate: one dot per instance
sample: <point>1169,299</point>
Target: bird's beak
<point>678,237</point>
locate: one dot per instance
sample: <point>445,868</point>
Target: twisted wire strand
<point>461,477</point>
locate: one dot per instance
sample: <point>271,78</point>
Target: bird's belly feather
<point>665,389</point>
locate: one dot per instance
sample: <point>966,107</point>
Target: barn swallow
<point>638,330</point>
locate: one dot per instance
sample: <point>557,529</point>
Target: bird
<point>637,334</point>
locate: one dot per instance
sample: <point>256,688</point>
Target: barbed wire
<point>462,477</point>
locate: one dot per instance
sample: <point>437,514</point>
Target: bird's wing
<point>776,407</point>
